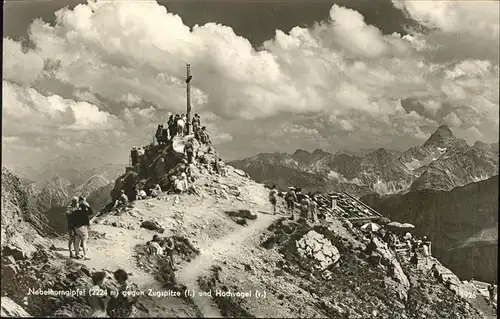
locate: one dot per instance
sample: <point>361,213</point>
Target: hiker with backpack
<point>290,199</point>
<point>273,198</point>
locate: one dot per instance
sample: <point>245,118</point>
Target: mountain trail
<point>202,219</point>
<point>218,251</point>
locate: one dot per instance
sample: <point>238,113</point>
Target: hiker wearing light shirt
<point>180,126</point>
<point>273,198</point>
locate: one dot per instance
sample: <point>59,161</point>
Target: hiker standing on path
<point>291,198</point>
<point>70,211</point>
<point>426,250</point>
<point>169,249</point>
<point>98,296</point>
<point>81,223</point>
<point>313,209</point>
<point>491,293</point>
<point>273,198</point>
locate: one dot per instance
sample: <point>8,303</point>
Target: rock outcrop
<point>12,309</point>
<point>21,227</point>
<point>314,245</point>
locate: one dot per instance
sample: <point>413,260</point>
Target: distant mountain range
<point>77,170</point>
<point>461,223</point>
<point>50,187</point>
<point>443,162</point>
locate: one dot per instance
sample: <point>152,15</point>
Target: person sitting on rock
<point>273,198</point>
<point>220,168</point>
<point>154,247</point>
<point>290,199</point>
<point>70,211</point>
<point>156,191</point>
<point>98,297</point>
<point>122,200</point>
<point>181,184</point>
<point>141,194</point>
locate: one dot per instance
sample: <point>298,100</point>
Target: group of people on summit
<point>176,126</point>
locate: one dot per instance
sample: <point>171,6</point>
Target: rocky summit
<point>232,256</point>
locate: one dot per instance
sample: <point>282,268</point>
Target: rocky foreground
<point>234,258</point>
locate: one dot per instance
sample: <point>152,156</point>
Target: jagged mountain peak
<point>442,137</point>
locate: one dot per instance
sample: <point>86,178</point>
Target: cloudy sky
<point>95,78</point>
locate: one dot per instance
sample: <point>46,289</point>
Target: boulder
<point>12,309</point>
<point>318,248</point>
<point>243,213</point>
<point>152,225</point>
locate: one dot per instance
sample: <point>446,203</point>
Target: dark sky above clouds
<point>96,79</point>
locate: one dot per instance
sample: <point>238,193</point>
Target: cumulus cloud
<point>19,65</point>
<point>338,84</point>
<point>452,120</point>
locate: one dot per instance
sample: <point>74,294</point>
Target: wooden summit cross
<point>188,96</point>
